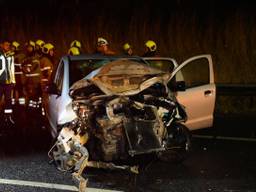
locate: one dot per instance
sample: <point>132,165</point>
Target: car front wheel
<point>178,144</point>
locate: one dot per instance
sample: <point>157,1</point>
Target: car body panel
<point>199,101</point>
<point>198,105</point>
<point>59,110</point>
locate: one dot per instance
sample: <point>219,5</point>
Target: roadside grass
<point>232,105</point>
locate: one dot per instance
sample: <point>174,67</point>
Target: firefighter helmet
<point>40,43</point>
<point>30,43</point>
<point>75,43</point>
<point>47,47</point>
<point>73,51</point>
<point>151,45</point>
<point>16,45</point>
<point>127,46</point>
<point>102,41</point>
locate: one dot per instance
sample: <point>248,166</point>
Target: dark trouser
<point>19,89</point>
<point>19,85</point>
<point>6,90</point>
<point>33,89</point>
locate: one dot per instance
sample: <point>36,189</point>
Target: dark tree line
<point>226,29</point>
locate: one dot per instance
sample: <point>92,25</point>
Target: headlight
<point>75,106</point>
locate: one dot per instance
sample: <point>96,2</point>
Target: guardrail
<point>236,89</point>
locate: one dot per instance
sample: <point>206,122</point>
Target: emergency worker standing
<point>7,78</point>
<point>103,47</point>
<point>31,68</point>
<point>47,63</point>
<point>127,49</point>
<point>39,44</point>
<point>150,49</point>
<point>19,56</point>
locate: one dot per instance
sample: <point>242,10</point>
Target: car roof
<point>98,56</point>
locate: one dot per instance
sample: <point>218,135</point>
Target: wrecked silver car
<point>122,109</point>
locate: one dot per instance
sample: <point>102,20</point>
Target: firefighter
<point>150,49</point>
<point>39,44</point>
<point>73,51</point>
<point>127,49</point>
<point>31,68</point>
<point>103,47</point>
<point>47,63</point>
<point>7,78</point>
<point>19,56</point>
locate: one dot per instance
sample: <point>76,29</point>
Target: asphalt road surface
<point>216,163</point>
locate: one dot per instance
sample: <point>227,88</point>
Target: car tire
<point>178,144</point>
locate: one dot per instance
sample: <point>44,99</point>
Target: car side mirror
<point>177,85</point>
<point>180,86</point>
<point>52,89</point>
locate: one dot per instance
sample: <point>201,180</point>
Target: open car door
<point>200,94</point>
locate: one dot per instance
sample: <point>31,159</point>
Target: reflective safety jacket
<point>18,59</point>
<point>31,68</point>
<point>46,66</point>
<point>7,75</point>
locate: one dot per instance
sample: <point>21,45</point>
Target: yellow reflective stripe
<point>18,73</point>
<point>32,75</point>
<point>45,68</point>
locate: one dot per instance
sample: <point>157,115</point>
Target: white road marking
<point>49,185</point>
<point>224,138</point>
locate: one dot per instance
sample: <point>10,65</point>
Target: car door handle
<point>208,92</point>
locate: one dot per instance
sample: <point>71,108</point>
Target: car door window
<point>195,74</point>
<point>58,81</point>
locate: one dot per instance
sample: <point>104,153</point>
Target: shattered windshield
<point>78,69</point>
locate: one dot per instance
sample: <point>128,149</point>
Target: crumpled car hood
<point>123,77</point>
